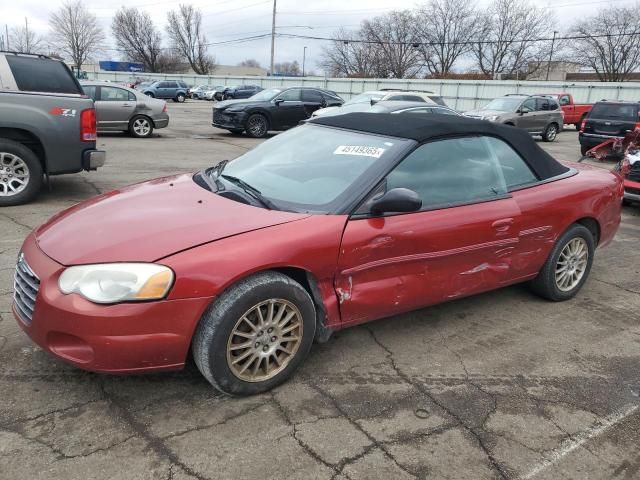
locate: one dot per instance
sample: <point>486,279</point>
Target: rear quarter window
<point>615,111</point>
<point>42,75</point>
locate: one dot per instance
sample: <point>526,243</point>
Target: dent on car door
<point>460,243</point>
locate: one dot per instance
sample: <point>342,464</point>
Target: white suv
<point>380,95</point>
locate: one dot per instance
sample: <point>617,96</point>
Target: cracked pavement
<point>502,385</point>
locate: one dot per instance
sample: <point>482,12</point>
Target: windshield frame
<point>346,201</point>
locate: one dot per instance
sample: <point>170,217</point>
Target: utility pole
<point>273,34</point>
<point>26,35</point>
<point>551,53</point>
<point>304,57</point>
<point>6,31</point>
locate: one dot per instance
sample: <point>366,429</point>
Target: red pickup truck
<point>574,113</point>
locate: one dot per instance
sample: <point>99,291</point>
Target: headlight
<point>492,118</point>
<point>117,282</point>
<point>235,110</point>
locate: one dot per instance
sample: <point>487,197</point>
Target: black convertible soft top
<point>429,127</point>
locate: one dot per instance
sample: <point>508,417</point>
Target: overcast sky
<point>230,19</point>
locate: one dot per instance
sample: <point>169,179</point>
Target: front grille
<point>634,174</point>
<point>635,191</point>
<point>25,285</point>
<point>218,116</point>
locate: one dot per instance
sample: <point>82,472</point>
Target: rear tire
<point>140,126</point>
<point>180,98</point>
<point>245,344</point>
<point>20,173</point>
<point>550,133</point>
<point>572,256</point>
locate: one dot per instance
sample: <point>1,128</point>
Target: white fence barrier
<point>458,94</point>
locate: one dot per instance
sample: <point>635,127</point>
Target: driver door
<point>528,120</point>
<point>461,242</point>
<point>288,109</point>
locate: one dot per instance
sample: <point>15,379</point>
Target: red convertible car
<point>337,222</point>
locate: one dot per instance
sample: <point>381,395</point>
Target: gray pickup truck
<point>47,125</point>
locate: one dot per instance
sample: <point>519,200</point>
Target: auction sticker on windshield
<point>361,150</point>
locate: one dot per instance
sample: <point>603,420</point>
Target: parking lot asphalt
<point>501,385</point>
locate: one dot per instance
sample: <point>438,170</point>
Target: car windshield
<point>365,98</point>
<point>312,168</point>
<point>615,111</point>
<point>505,104</point>
<point>266,95</point>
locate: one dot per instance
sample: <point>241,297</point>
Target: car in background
<point>210,94</point>
<point>393,106</point>
<point>608,119</point>
<point>124,109</point>
<point>573,112</point>
<point>237,92</point>
<point>198,92</point>
<point>386,94</point>
<point>47,126</point>
<point>272,109</point>
<point>243,265</point>
<point>537,114</point>
<point>176,90</point>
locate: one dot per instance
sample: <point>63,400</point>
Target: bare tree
<point>392,37</point>
<point>75,32</point>
<point>137,37</point>
<point>184,29</point>
<point>250,62</point>
<point>509,38</point>
<point>345,57</point>
<point>170,62</point>
<point>611,45</point>
<point>291,69</point>
<point>21,39</point>
<point>443,28</point>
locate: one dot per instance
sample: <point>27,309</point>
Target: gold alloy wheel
<point>572,264</point>
<point>264,340</point>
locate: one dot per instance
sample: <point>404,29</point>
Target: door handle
<point>126,105</point>
<point>503,224</point>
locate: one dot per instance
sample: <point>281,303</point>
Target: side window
<point>290,95</point>
<point>553,105</point>
<point>113,94</point>
<point>529,104</point>
<point>311,96</point>
<point>41,75</point>
<point>564,100</point>
<point>421,111</point>
<point>542,104</point>
<point>437,99</point>
<point>132,97</point>
<point>515,171</point>
<point>172,85</point>
<point>444,111</point>
<point>90,91</point>
<point>407,98</point>
<point>163,85</point>
<point>449,172</point>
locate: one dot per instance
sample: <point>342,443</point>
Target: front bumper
<point>123,338</point>
<point>631,190</point>
<point>93,159</point>
<point>228,121</point>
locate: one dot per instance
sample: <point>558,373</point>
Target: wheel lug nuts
<point>257,344</point>
<point>273,339</point>
<point>265,348</point>
<point>270,330</point>
<point>260,333</point>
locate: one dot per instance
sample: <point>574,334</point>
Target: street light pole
<point>273,34</point>
<point>551,53</point>
<point>304,57</point>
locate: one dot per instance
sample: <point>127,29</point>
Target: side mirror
<point>524,110</point>
<point>278,101</point>
<point>397,200</point>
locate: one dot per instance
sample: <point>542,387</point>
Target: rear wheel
<point>180,98</point>
<point>568,265</point>
<point>140,126</point>
<point>550,133</point>
<point>257,126</point>
<point>255,335</point>
<point>20,173</point>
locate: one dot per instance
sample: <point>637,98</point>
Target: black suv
<point>239,91</point>
<point>272,109</point>
<point>607,119</point>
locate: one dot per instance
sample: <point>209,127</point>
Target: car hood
<point>483,113</point>
<point>149,221</point>
<point>247,103</point>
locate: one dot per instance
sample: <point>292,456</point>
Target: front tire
<point>180,98</point>
<point>257,126</point>
<point>140,127</point>
<point>20,173</point>
<point>568,266</point>
<point>550,133</point>
<point>255,335</point>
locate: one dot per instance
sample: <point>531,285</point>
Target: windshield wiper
<point>253,191</point>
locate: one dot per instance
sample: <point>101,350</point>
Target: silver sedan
<point>120,108</point>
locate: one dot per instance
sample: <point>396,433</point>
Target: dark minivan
<point>607,119</point>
